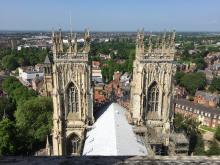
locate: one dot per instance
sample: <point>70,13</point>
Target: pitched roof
<point>207,96</point>
<point>47,60</point>
<point>201,108</point>
<point>112,135</point>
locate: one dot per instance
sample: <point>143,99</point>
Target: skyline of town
<point>136,80</point>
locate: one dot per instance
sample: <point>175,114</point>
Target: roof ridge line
<point>115,126</point>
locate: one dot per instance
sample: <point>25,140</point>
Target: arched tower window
<point>73,145</point>
<point>153,97</point>
<point>73,98</point>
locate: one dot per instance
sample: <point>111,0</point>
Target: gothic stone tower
<point>151,88</point>
<point>72,95</point>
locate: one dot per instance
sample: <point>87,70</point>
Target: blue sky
<point>111,15</point>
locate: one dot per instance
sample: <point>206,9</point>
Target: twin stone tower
<point>151,91</point>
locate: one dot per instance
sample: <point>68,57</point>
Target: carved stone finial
<point>86,47</point>
<point>157,42</point>
<point>150,44</point>
<point>172,42</point>
<point>75,43</point>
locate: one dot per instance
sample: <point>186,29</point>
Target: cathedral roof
<point>112,135</point>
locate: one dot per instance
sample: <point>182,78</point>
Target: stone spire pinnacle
<point>60,41</point>
<point>157,42</point>
<point>75,43</point>
<point>138,37</point>
<point>48,147</point>
<point>53,33</point>
<point>150,43</point>
<point>86,48</point>
<point>163,43</point>
<point>168,40</point>
<point>72,52</point>
<point>172,42</point>
<point>162,49</point>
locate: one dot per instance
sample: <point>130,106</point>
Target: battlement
<point>73,53</point>
<point>75,57</point>
<point>163,49</point>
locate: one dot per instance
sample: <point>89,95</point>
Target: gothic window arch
<point>72,98</point>
<point>153,97</point>
<point>73,144</point>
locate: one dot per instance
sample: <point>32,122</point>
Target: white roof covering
<point>112,135</point>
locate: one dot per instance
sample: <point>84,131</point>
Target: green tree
<point>9,84</point>
<point>214,148</point>
<point>200,63</point>
<point>215,85</point>
<point>190,127</point>
<point>16,90</point>
<point>22,94</point>
<point>7,137</point>
<point>217,133</point>
<point>34,118</point>
<point>9,62</point>
<point>193,82</point>
<point>196,144</point>
<point>178,76</point>
<point>7,107</point>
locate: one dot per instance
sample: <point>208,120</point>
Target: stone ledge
<point>55,160</point>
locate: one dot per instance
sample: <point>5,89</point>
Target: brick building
<point>207,116</point>
<point>207,99</point>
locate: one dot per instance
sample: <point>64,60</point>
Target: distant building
<point>208,74</point>
<point>27,74</point>
<point>104,56</point>
<point>186,67</point>
<point>207,116</point>
<point>207,99</point>
<point>113,88</point>
<point>180,92</point>
<point>125,79</point>
<point>96,72</point>
<point>212,57</point>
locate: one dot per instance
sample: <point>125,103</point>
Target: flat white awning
<point>113,136</point>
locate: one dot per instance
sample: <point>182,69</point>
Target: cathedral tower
<point>72,95</point>
<point>152,85</point>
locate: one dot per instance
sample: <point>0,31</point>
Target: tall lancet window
<point>73,98</point>
<point>153,97</point>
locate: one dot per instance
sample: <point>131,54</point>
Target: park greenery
<point>197,58</point>
<point>122,54</point>
<point>191,81</point>
<point>11,59</point>
<point>26,119</point>
<point>196,81</point>
<point>215,85</point>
